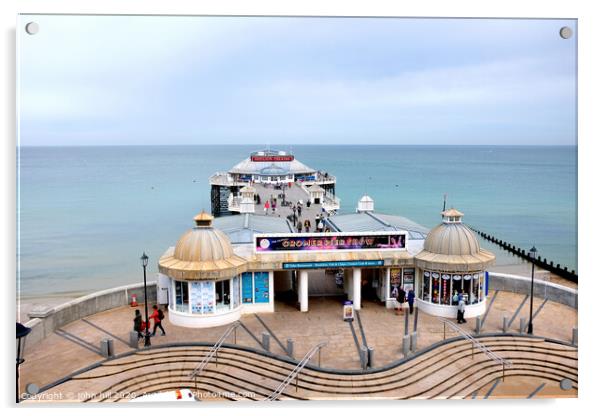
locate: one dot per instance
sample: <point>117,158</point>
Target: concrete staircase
<point>448,371</point>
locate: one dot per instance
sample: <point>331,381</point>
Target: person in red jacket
<point>157,317</point>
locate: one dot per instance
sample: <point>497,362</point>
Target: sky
<point>153,80</point>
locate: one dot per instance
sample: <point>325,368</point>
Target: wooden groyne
<point>557,269</point>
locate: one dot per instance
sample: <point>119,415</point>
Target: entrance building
<point>229,266</point>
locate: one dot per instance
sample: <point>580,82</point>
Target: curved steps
<point>448,371</point>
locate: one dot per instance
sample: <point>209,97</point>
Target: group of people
<point>402,297</point>
<point>272,203</point>
<point>141,326</point>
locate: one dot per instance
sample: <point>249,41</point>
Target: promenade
<point>76,345</point>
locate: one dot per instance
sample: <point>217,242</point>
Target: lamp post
<point>532,254</point>
<point>144,261</point>
<point>22,332</point>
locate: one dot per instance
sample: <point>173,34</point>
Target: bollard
<point>414,341</point>
<point>407,318</point>
<point>478,325</point>
<point>415,319</point>
<point>505,324</point>
<point>370,356</point>
<point>133,339</point>
<point>290,346</point>
<point>405,346</point>
<point>106,347</point>
<point>574,341</point>
<point>523,325</point>
<point>265,341</point>
<point>364,357</point>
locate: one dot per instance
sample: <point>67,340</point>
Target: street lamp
<point>532,254</point>
<point>144,261</point>
<point>22,332</point>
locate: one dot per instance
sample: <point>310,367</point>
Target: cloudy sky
<point>94,80</point>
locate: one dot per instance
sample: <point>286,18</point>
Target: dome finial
<point>203,219</point>
<point>452,215</point>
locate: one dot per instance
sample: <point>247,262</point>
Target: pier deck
<point>292,194</point>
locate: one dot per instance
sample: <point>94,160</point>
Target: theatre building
<point>229,266</point>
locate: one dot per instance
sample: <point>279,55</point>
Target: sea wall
<point>46,320</point>
<point>541,289</point>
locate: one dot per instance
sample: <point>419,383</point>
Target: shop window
<point>236,292</point>
<point>446,289</point>
<point>394,282</point>
<point>426,286</point>
<point>456,288</point>
<point>436,287</point>
<point>474,294</point>
<point>222,295</point>
<point>182,300</point>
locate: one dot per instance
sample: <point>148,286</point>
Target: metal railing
<point>213,351</point>
<point>483,348</point>
<point>295,373</point>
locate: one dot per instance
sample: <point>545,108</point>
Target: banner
<point>272,158</point>
<point>329,242</point>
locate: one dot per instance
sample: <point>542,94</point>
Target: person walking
<point>401,299</point>
<point>299,226</point>
<point>307,225</point>
<point>411,297</point>
<point>460,316</point>
<point>266,206</point>
<point>138,324</point>
<point>317,220</point>
<point>157,316</point>
<point>308,203</point>
<point>320,226</point>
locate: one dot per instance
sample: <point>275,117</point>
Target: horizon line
<point>263,145</point>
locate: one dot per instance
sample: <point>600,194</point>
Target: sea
<point>86,214</point>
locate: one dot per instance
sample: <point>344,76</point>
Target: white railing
<point>483,348</point>
<point>295,373</point>
<point>234,202</point>
<point>213,352</point>
<point>225,179</point>
<point>331,202</point>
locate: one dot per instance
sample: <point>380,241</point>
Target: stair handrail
<point>483,348</point>
<point>213,351</point>
<point>300,366</point>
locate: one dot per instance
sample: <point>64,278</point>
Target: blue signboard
<point>247,287</point>
<point>262,287</point>
<point>332,264</point>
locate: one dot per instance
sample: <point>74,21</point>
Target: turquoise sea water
<point>87,213</point>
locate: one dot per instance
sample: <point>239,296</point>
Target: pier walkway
<point>293,195</point>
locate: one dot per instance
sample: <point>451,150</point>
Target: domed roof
<point>203,252</point>
<point>452,240</point>
<point>452,246</point>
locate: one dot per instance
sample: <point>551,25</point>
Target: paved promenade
<point>77,345</point>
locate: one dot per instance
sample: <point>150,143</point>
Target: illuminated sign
<point>395,240</point>
<point>272,158</point>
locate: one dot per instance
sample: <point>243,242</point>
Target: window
<point>182,300</point>
<point>426,286</point>
<point>436,288</point>
<point>222,295</point>
<point>235,292</point>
